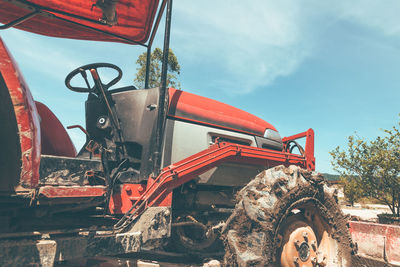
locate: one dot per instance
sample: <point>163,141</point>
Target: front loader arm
<point>159,189</point>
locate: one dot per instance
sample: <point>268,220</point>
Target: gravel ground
<point>144,259</point>
<point>367,212</point>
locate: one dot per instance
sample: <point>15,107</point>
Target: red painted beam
<point>159,189</point>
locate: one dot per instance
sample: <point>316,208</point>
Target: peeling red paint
<point>375,240</point>
<point>72,191</point>
<point>122,200</point>
<point>27,119</point>
<point>393,244</point>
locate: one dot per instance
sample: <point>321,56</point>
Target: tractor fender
<point>20,137</point>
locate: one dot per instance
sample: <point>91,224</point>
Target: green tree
<point>156,57</point>
<point>351,188</point>
<point>372,168</point>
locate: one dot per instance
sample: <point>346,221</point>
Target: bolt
<point>128,190</point>
<point>297,243</point>
<point>140,188</point>
<point>314,245</point>
<point>295,259</point>
<point>305,235</point>
<point>314,260</point>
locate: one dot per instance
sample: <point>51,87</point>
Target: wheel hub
<point>304,251</point>
<point>300,245</point>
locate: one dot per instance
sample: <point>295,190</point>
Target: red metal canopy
<point>99,20</point>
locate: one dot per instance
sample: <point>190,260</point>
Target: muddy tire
<point>287,217</point>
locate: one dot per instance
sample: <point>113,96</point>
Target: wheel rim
<point>306,240</point>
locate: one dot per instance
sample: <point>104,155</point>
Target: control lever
<point>80,128</point>
<point>114,119</point>
<point>84,75</point>
<point>99,85</point>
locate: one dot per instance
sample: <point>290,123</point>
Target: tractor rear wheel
<point>287,217</point>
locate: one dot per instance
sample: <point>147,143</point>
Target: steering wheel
<point>82,70</point>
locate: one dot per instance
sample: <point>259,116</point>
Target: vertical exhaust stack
<point>164,95</point>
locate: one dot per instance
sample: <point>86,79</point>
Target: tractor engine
<point>193,124</point>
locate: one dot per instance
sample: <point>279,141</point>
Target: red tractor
<point>161,168</point>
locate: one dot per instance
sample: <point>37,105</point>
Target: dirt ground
<point>144,259</point>
<point>367,212</point>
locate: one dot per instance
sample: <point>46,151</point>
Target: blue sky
<point>333,66</point>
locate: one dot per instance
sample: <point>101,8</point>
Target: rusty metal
<point>55,170</point>
<point>379,241</point>
<point>27,119</point>
<point>71,191</point>
<point>298,236</point>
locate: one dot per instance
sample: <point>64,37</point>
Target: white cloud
<point>380,15</point>
<point>54,58</point>
<point>37,53</point>
<point>45,62</point>
<point>250,44</point>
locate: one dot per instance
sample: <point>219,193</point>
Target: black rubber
<point>10,154</point>
<point>89,67</point>
<point>263,206</point>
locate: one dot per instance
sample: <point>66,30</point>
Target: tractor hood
<point>128,21</point>
<point>201,110</point>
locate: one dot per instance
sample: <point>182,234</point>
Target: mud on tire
<point>287,216</point>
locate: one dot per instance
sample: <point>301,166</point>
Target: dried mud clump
<point>263,205</point>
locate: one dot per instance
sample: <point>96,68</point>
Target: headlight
<point>272,135</point>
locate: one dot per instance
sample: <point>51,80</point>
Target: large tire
<point>287,217</point>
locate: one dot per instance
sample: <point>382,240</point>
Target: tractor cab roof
<point>126,21</point>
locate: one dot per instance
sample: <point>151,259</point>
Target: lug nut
<point>295,259</point>
<point>297,243</point>
<point>305,235</point>
<point>128,190</point>
<point>140,188</point>
<point>314,245</point>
